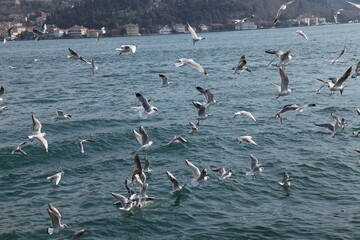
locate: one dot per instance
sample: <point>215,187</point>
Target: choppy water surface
<point>322,203</point>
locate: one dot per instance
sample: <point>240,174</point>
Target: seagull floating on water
<point>18,149</point>
<point>286,181</point>
<point>174,181</point>
<point>55,216</point>
<point>337,84</point>
<point>241,66</point>
<point>301,33</point>
<point>80,144</point>
<point>142,138</point>
<point>223,173</point>
<point>61,116</point>
<point>198,176</point>
<point>126,49</point>
<point>37,133</point>
<point>56,177</point>
<point>194,36</point>
<point>283,89</point>
<point>186,61</point>
<point>255,167</point>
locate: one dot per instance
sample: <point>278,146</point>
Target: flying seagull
<point>247,139</point>
<point>18,149</point>
<point>255,167</point>
<point>336,126</point>
<point>100,33</point>
<point>164,80</point>
<point>174,181</point>
<point>194,36</point>
<point>193,127</point>
<point>245,113</point>
<point>223,173</point>
<point>146,168</point>
<point>282,8</point>
<point>198,176</point>
<point>337,84</point>
<point>186,61</point>
<point>56,177</point>
<point>61,116</point>
<point>142,138</point>
<point>125,203</point>
<point>146,107</point>
<point>126,49</point>
<point>138,174</point>
<point>283,89</point>
<point>301,33</point>
<point>37,133</point>
<point>93,66</point>
<point>177,139</point>
<point>241,66</point>
<point>337,59</point>
<point>40,33</point>
<point>286,181</point>
<point>10,36</point>
<point>209,96</point>
<point>80,144</point>
<point>284,57</point>
<point>201,112</point>
<point>291,107</point>
<point>55,216</point>
<point>75,56</point>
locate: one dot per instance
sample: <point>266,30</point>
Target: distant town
<point>22,27</point>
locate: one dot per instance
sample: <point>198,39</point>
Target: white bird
<point>126,49</point>
<point>249,114</point>
<point>174,181</point>
<point>3,108</point>
<point>336,126</point>
<point>18,149</point>
<point>255,167</point>
<point>247,139</point>
<point>193,127</point>
<point>357,71</point>
<point>301,33</point>
<point>291,107</point>
<point>10,36</point>
<point>194,36</point>
<point>138,173</point>
<point>146,107</point>
<point>165,81</point>
<point>55,216</point>
<point>283,89</point>
<point>78,234</point>
<point>198,176</point>
<point>282,8</point>
<point>125,203</point>
<point>146,168</point>
<point>100,33</point>
<point>56,177</point>
<point>223,173</point>
<point>80,144</point>
<point>356,133</point>
<point>201,112</point>
<point>2,89</point>
<point>285,58</point>
<point>40,33</point>
<point>75,56</point>
<point>286,181</point>
<point>337,84</point>
<point>37,133</point>
<point>186,61</point>
<point>209,96</point>
<point>142,138</point>
<point>177,139</point>
<point>336,13</point>
<point>240,67</point>
<point>337,59</point>
<point>61,116</point>
<point>94,68</point>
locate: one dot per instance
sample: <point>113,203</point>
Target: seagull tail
<point>50,231</point>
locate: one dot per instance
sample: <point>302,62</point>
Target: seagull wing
<point>60,113</point>
<point>220,170</point>
<point>196,65</point>
<point>144,102</point>
<point>78,234</point>
<point>164,79</point>
<point>144,135</point>
<point>193,33</point>
<point>278,53</point>
<point>43,142</point>
<point>122,200</point>
<point>354,4</point>
<point>341,53</point>
<point>72,52</point>
<point>36,125</point>
<point>138,136</point>
<point>284,79</point>
<point>173,180</point>
<point>194,169</point>
<point>341,80</point>
<point>254,162</point>
<point>328,126</point>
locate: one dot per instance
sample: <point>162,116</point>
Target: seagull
<point>100,33</point>
<point>80,144</point>
<point>56,177</point>
<point>242,20</point>
<point>318,90</point>
<point>126,48</point>
<point>146,168</point>
<point>146,107</point>
<point>241,66</point>
<point>143,198</point>
<point>291,107</point>
<point>356,133</point>
<point>194,35</point>
<point>336,13</point>
<point>336,126</point>
<point>177,139</point>
<point>61,116</point>
<point>301,33</point>
<point>10,36</point>
<point>246,138</point>
<point>187,61</point>
<point>223,173</point>
<point>75,56</point>
<point>198,176</point>
<point>357,71</point>
<point>40,33</point>
<point>337,59</point>
<point>176,186</point>
<point>255,167</point>
<point>193,127</point>
<point>37,133</point>
<point>245,113</point>
<point>282,8</point>
<point>165,81</point>
<point>18,149</point>
<point>93,67</point>
<point>55,216</point>
<point>142,138</point>
<point>286,181</point>
<point>337,84</point>
<point>283,90</point>
<point>209,97</point>
<point>126,203</point>
<point>4,108</point>
<point>2,89</point>
<point>138,174</point>
<point>284,57</point>
<point>78,234</point>
<point>201,112</point>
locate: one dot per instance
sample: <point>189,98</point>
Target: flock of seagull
<point>136,196</point>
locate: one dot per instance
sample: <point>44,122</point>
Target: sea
<point>323,201</point>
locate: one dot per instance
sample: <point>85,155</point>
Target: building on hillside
<point>247,25</point>
<point>92,33</point>
<point>132,29</point>
<point>76,31</point>
<point>165,30</point>
<point>217,27</point>
<point>18,30</point>
<point>56,33</point>
<point>203,28</point>
<point>179,28</point>
<point>115,32</point>
<point>15,17</point>
<point>308,20</point>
